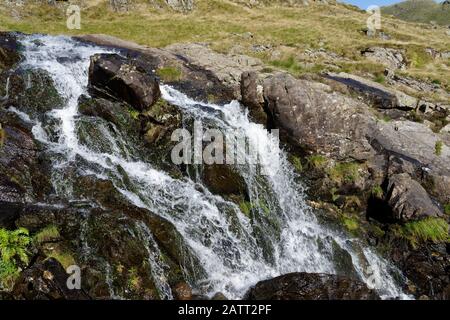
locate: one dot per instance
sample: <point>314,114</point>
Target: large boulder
<point>114,76</point>
<point>311,286</point>
<point>252,96</point>
<point>408,199</point>
<point>9,50</point>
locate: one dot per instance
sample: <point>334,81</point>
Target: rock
<point>316,120</point>
<point>9,50</point>
<point>113,76</point>
<point>120,5</point>
<point>379,95</point>
<point>46,280</point>
<point>223,180</point>
<point>408,199</point>
<point>391,58</point>
<point>310,286</point>
<point>181,5</point>
<point>252,97</point>
<point>182,291</point>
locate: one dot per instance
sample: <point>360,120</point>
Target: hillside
<point>298,38</point>
<point>424,11</point>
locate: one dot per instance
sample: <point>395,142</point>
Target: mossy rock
<point>223,180</point>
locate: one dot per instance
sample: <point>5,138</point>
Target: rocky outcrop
<point>252,96</point>
<point>9,54</point>
<point>112,75</point>
<point>377,94</point>
<point>391,58</point>
<point>181,5</point>
<point>408,199</point>
<point>311,286</point>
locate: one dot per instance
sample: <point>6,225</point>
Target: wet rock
<point>116,77</point>
<point>46,280</point>
<point>408,199</point>
<point>310,286</point>
<point>391,58</point>
<point>223,180</point>
<point>182,291</point>
<point>377,94</point>
<point>9,50</point>
<point>252,97</point>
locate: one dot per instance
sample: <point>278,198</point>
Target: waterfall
<point>236,251</point>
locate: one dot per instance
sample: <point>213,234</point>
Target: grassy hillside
<point>276,33</point>
<point>423,11</point>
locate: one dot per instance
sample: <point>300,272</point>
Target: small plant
<point>334,196</point>
<point>386,118</point>
<point>133,113</point>
<point>380,78</point>
<point>316,161</point>
<point>290,64</point>
<point>377,192</point>
<point>169,74</point>
<point>438,148</point>
<point>134,281</point>
<point>47,234</point>
<point>350,223</point>
<point>447,208</point>
<point>297,163</point>
<point>13,253</point>
<point>429,229</point>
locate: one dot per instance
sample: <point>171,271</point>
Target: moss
<point>316,161</point>
<point>134,280</point>
<point>429,229</point>
<point>9,272</point>
<point>246,208</point>
<point>438,148</point>
<point>350,223</point>
<point>133,113</point>
<point>414,116</point>
<point>344,172</point>
<point>169,74</point>
<point>47,234</point>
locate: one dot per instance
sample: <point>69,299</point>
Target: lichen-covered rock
<point>408,199</point>
<point>389,57</point>
<point>113,76</point>
<point>311,286</point>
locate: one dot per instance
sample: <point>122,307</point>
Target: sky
<point>364,4</point>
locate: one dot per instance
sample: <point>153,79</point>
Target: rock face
<point>408,199</point>
<point>310,286</point>
<point>181,5</point>
<point>9,54</point>
<point>252,96</point>
<point>111,75</point>
<point>389,57</point>
<point>378,94</point>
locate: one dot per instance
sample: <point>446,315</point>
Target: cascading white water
<point>236,251</point>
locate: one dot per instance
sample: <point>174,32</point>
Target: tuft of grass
<point>297,163</point>
<point>447,208</point>
<point>377,192</point>
<point>47,234</point>
<point>380,78</point>
<point>316,161</point>
<point>429,229</point>
<point>290,64</point>
<point>134,281</point>
<point>169,74</point>
<point>438,148</point>
<point>344,172</point>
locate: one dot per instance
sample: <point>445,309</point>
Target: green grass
<point>47,234</point>
<point>297,163</point>
<point>350,223</point>
<point>246,208</point>
<point>419,11</point>
<point>290,64</point>
<point>377,192</point>
<point>65,258</point>
<point>447,208</point>
<point>429,229</point>
<point>380,78</point>
<point>316,161</point>
<point>169,74</point>
<point>438,148</point>
<point>344,172</point>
